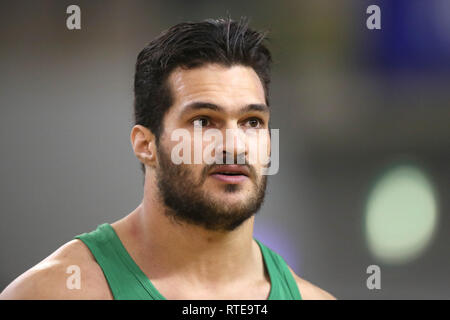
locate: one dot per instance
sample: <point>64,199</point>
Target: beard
<point>187,202</point>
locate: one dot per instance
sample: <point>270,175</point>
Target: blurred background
<point>364,119</point>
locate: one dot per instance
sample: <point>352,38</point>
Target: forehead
<point>230,87</point>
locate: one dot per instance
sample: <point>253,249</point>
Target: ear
<point>144,145</point>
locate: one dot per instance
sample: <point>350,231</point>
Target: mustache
<point>229,158</point>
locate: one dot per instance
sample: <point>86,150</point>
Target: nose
<point>234,146</point>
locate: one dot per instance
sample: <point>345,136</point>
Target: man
<point>191,237</point>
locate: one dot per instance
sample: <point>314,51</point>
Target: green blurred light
<point>401,215</point>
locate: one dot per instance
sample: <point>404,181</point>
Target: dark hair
<point>190,45</point>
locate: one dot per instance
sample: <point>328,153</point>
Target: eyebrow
<point>214,107</point>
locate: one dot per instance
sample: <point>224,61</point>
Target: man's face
<point>215,196</point>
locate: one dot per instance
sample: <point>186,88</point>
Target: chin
<point>237,198</point>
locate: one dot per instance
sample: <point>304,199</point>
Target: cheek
<point>180,146</point>
<point>259,146</point>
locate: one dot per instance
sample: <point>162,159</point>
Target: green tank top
<point>128,282</point>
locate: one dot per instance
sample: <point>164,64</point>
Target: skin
<point>183,261</point>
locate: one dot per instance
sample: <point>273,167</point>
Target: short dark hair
<point>190,45</point>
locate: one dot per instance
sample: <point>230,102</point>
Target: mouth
<point>231,173</point>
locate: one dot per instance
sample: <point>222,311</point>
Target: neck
<point>163,247</point>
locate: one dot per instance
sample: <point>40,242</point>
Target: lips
<point>231,170</point>
<point>231,173</point>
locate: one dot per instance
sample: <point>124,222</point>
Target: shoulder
<point>58,276</point>
<point>310,291</point>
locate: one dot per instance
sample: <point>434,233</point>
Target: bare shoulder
<point>54,277</point>
<point>310,291</point>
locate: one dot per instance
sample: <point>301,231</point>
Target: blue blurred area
<point>415,36</point>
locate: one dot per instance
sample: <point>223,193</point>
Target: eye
<point>201,122</point>
<point>254,123</point>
